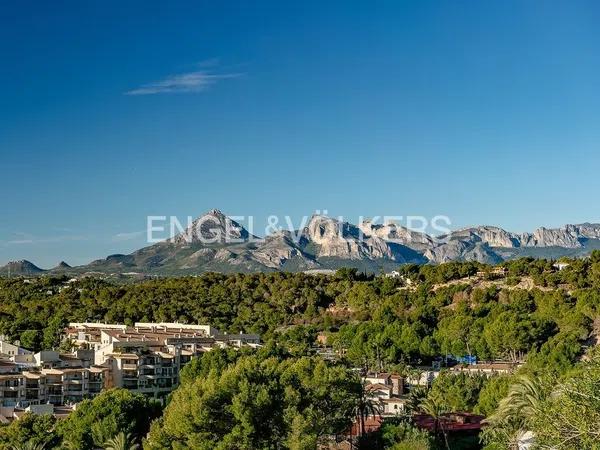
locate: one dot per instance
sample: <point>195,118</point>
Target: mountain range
<point>214,242</point>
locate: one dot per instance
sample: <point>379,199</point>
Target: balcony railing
<point>73,389</point>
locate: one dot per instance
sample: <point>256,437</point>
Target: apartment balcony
<point>149,376</point>
<point>10,388</point>
<point>55,399</point>
<point>148,389</point>
<point>129,367</point>
<point>73,388</point>
<point>73,380</point>
<point>11,394</point>
<point>148,362</point>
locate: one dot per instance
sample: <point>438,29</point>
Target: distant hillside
<point>326,243</point>
<point>23,267</point>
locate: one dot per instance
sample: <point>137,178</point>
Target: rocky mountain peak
<point>215,212</point>
<point>586,230</point>
<point>213,227</point>
<point>344,240</point>
<point>490,235</point>
<point>566,237</point>
<point>324,229</point>
<point>21,267</point>
<point>399,234</point>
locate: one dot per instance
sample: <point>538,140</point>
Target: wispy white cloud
<point>63,229</point>
<point>20,238</point>
<point>29,239</point>
<point>120,237</point>
<point>196,81</point>
<point>20,241</point>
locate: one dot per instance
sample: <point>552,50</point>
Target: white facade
<point>393,406</point>
<point>147,357</point>
<point>12,350</point>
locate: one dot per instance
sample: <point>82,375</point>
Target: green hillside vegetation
<point>284,396</point>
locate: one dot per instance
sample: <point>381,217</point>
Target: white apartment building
<point>144,358</point>
<point>147,357</point>
<point>53,378</point>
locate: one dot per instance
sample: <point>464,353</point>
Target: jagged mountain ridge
<point>569,236</point>
<point>214,242</point>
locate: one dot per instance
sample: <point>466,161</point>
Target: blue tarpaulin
<point>469,359</point>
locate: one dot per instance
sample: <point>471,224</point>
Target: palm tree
<point>121,441</point>
<point>29,445</point>
<point>69,445</point>
<point>416,395</point>
<point>434,407</point>
<point>414,374</point>
<point>366,406</point>
<point>516,411</point>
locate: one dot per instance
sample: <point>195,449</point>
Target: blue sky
<point>486,112</point>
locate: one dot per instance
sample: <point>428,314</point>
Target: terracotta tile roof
<point>450,421</point>
<point>377,386</point>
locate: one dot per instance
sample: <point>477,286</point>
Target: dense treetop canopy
<point>284,396</point>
